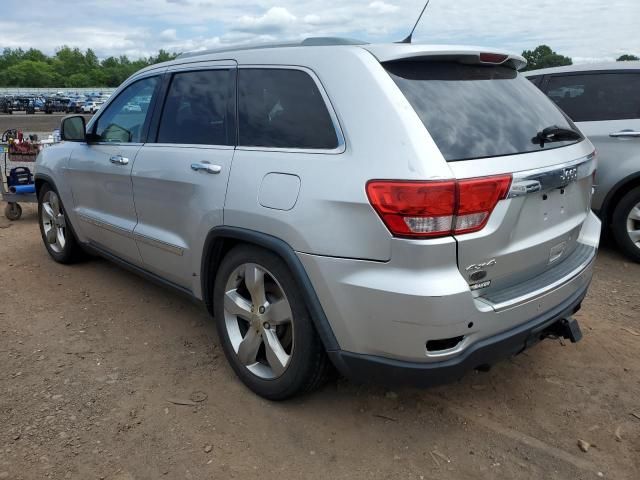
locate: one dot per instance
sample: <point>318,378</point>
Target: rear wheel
<point>56,233</point>
<point>264,325</point>
<point>626,224</point>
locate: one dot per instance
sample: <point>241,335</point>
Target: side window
<point>282,108</point>
<point>199,109</point>
<point>597,96</point>
<point>124,119</point>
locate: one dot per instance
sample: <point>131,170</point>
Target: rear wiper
<point>555,133</point>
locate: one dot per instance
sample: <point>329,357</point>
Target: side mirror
<point>73,129</point>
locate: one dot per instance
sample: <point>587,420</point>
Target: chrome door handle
<point>119,160</point>
<point>207,167</point>
<point>625,133</point>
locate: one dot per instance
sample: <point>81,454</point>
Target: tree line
<point>544,57</point>
<point>71,68</point>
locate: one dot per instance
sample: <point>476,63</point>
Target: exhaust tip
<point>443,344</point>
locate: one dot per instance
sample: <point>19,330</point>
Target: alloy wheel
<point>633,225</point>
<point>259,321</point>
<point>53,221</point>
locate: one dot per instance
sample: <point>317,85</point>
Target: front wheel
<point>56,233</point>
<point>264,326</point>
<point>626,224</point>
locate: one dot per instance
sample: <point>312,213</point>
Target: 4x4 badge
<point>479,266</point>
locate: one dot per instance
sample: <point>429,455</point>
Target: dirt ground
<point>40,122</point>
<point>96,363</point>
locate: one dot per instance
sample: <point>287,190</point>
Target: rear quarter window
<point>282,108</point>
<point>477,111</point>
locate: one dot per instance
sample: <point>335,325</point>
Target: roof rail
<point>307,42</point>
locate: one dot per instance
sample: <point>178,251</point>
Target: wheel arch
<point>40,180</point>
<point>614,195</point>
<point>220,240</point>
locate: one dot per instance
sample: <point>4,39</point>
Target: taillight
<point>436,208</point>
<point>496,58</point>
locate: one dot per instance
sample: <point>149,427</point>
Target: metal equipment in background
<point>17,185</point>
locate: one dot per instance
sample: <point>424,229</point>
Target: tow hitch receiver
<point>566,328</point>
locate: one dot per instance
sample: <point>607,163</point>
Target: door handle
<point>119,160</point>
<point>207,167</point>
<point>625,134</point>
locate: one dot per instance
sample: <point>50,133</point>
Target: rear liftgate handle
<point>206,167</point>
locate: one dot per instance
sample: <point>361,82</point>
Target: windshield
<point>477,111</point>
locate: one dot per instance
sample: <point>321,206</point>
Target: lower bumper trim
<point>391,372</point>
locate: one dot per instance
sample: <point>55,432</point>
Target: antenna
<point>409,37</point>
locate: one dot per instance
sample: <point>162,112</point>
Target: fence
<point>52,90</point>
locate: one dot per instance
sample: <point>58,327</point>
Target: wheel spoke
<point>60,240</point>
<point>48,211</point>
<point>254,279</point>
<point>51,235</point>
<point>279,312</point>
<point>235,304</point>
<point>248,348</point>
<point>634,214</point>
<point>55,203</point>
<point>634,235</point>
<point>276,356</point>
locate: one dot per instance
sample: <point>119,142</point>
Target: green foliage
<point>627,58</point>
<point>543,57</point>
<point>69,67</point>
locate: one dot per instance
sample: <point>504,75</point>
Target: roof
<point>586,67</point>
<point>307,42</point>
<point>383,52</point>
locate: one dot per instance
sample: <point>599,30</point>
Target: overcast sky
<point>586,30</point>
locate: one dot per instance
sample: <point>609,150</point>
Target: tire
<point>13,211</point>
<point>625,224</point>
<point>55,229</point>
<point>283,356</point>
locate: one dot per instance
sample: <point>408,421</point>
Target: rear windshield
<point>476,111</point>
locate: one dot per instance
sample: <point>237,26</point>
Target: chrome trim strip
<point>547,178</point>
<point>513,302</point>
<point>167,247</point>
<point>106,226</point>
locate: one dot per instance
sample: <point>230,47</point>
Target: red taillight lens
<point>414,209</point>
<point>477,198</point>
<point>435,209</point>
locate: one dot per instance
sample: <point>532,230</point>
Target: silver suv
<point>402,212</point>
<point>604,101</point>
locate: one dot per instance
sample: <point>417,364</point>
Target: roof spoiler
<point>468,56</point>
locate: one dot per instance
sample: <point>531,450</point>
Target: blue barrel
<point>23,188</point>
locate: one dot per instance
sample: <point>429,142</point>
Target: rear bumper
<point>393,309</point>
<point>486,352</point>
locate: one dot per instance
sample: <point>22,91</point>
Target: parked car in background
<point>380,207</point>
<point>604,102</point>
<point>132,107</point>
<point>75,106</point>
<point>6,105</point>
<point>90,107</point>
<point>55,104</point>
